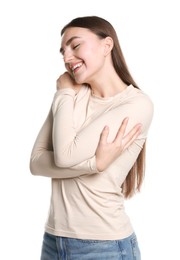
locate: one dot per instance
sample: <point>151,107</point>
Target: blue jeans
<point>63,248</point>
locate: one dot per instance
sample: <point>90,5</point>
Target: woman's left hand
<point>66,81</point>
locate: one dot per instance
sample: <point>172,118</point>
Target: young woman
<point>92,146</point>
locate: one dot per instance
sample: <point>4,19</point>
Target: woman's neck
<point>108,86</point>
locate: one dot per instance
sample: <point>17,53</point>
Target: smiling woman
<point>92,145</point>
<point>87,47</point>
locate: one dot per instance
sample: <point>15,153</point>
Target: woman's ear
<point>108,45</point>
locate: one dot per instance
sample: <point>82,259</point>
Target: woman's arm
<point>72,147</point>
<point>42,157</point>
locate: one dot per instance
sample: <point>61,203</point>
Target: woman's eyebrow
<point>69,42</point>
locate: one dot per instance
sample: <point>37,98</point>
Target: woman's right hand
<point>106,152</point>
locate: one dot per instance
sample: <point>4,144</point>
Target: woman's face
<point>83,53</point>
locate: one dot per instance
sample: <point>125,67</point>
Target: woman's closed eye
<point>76,46</point>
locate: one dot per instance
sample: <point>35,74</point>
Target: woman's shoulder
<point>141,102</point>
<point>84,91</point>
<point>139,96</point>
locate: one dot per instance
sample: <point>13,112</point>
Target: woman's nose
<point>68,56</point>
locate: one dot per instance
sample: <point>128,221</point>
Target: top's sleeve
<point>72,147</point>
<point>42,157</point>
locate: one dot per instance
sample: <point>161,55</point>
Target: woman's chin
<point>78,80</point>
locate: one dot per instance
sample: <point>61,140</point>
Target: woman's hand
<point>66,81</point>
<point>106,152</point>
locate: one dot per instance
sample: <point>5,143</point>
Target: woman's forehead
<point>75,32</point>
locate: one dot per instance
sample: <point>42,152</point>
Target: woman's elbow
<point>33,168</point>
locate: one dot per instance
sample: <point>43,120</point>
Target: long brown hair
<point>102,29</point>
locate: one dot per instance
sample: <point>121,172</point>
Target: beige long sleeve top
<point>85,203</point>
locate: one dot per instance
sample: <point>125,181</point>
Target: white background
<point>29,66</point>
